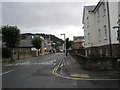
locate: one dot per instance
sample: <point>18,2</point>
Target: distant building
<point>98,23</point>
<point>78,42</point>
<point>24,50</point>
<point>30,36</point>
<point>27,36</point>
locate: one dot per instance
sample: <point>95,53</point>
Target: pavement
<point>70,68</point>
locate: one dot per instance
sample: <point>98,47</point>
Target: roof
<point>78,40</point>
<point>89,8</point>
<point>25,43</point>
<point>78,36</point>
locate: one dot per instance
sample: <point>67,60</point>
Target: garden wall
<point>96,63</point>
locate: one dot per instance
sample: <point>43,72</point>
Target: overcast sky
<point>46,17</point>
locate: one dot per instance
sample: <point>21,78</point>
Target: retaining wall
<point>97,63</point>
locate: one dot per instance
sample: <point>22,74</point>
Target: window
<point>32,37</point>
<point>87,19</point>
<point>101,52</point>
<point>106,51</point>
<point>87,22</point>
<point>104,9</point>
<point>88,36</point>
<point>99,33</point>
<point>85,37</point>
<point>86,52</point>
<point>88,26</point>
<point>105,31</point>
<point>84,25</point>
<point>89,51</point>
<point>98,15</point>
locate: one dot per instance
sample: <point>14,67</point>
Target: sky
<point>53,17</point>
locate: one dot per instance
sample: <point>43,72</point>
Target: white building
<point>99,20</point>
<point>119,9</point>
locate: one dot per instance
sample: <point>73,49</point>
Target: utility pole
<point>110,45</point>
<point>50,41</point>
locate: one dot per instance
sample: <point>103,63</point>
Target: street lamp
<point>64,42</point>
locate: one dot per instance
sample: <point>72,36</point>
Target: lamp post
<point>64,42</point>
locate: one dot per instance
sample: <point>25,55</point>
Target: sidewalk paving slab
<point>72,67</point>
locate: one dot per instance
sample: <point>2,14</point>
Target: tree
<point>6,52</point>
<point>11,37</point>
<point>37,43</point>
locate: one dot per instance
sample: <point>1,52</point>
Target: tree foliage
<point>37,42</point>
<point>68,43</point>
<point>10,36</point>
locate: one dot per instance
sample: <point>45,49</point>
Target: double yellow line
<point>54,71</point>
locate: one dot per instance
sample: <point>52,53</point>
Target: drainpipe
<point>110,45</point>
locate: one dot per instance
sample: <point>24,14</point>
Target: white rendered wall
<point>95,25</point>
<point>113,8</point>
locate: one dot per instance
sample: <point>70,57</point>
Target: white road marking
<point>8,65</point>
<point>7,72</point>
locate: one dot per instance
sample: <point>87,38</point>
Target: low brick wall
<point>97,63</point>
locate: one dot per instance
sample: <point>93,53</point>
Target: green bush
<point>6,52</point>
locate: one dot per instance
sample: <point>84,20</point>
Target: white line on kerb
<point>7,72</point>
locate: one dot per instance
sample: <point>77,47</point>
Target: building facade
<point>78,42</point>
<point>100,37</point>
<point>29,37</point>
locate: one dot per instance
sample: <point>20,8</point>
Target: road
<point>37,73</point>
<point>34,73</point>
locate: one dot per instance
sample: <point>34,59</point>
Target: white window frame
<point>99,32</point>
<point>105,31</point>
<point>104,10</point>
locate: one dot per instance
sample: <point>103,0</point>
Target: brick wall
<point>22,53</point>
<point>77,45</point>
<point>104,50</point>
<point>96,63</point>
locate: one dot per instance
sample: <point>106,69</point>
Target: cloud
<point>41,14</point>
<point>47,17</point>
<point>0,14</point>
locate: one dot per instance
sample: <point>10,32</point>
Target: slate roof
<point>25,43</point>
<point>90,8</point>
<point>78,40</point>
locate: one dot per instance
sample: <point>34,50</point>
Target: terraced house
<point>100,37</point>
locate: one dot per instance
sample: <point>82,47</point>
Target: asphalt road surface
<point>37,73</point>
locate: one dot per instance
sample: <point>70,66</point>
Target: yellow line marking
<point>54,71</point>
<point>79,75</point>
